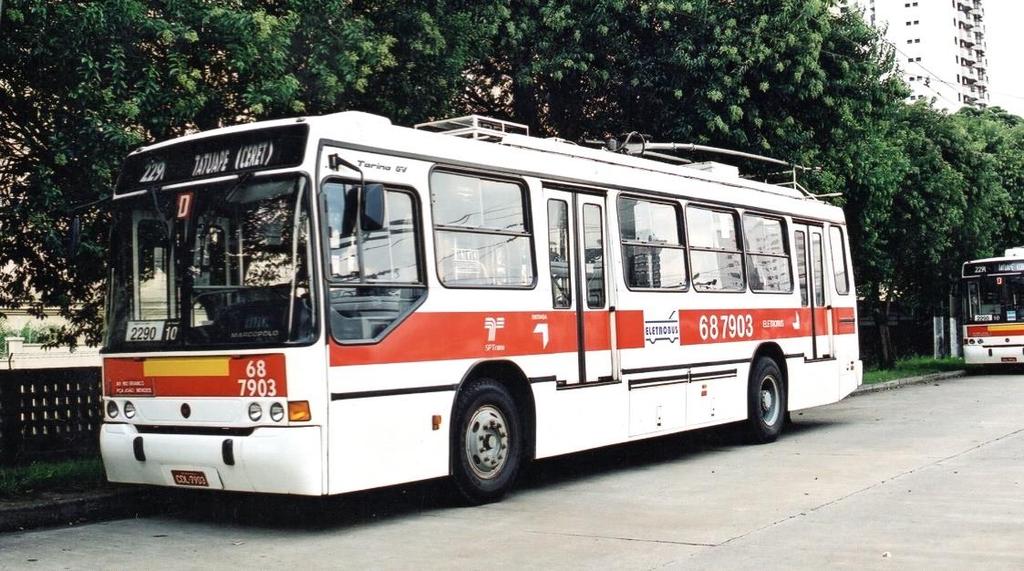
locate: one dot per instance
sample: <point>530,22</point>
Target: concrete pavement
<point>931,475</point>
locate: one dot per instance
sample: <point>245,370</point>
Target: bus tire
<point>487,442</point>
<point>766,401</point>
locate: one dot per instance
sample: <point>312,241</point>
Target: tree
<point>84,83</point>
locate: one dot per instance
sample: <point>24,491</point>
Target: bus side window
<point>839,260</point>
<point>558,254</point>
<point>653,255</point>
<point>482,233</point>
<point>818,267</point>
<point>374,276</point>
<point>768,268</point>
<point>593,251</point>
<point>716,260</point>
<point>801,265</point>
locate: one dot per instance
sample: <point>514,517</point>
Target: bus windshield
<point>210,266</point>
<point>995,299</point>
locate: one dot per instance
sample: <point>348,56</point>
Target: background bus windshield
<point>215,265</point>
<point>995,299</point>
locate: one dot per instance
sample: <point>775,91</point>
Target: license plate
<point>190,478</point>
<point>1009,359</point>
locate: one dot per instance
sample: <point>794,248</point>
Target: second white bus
<point>993,293</point>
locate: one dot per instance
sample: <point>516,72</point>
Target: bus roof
<point>527,155</point>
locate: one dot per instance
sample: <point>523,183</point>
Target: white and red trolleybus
<point>994,309</point>
<point>328,304</point>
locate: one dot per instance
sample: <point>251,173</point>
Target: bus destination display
<point>988,268</point>
<point>277,147</point>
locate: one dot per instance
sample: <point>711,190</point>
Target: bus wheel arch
<point>767,394</point>
<point>498,395</point>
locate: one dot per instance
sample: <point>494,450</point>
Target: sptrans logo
<point>492,325</point>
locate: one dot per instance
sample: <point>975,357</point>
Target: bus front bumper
<point>285,460</point>
<point>994,354</point>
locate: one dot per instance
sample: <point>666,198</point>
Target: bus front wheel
<point>766,401</point>
<point>487,442</point>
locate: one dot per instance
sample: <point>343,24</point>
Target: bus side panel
<point>389,439</point>
<point>812,383</point>
<point>573,419</point>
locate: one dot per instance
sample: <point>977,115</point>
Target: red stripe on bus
<point>844,320</point>
<point>427,336</point>
<point>704,326</point>
<point>994,330</point>
<point>438,336</point>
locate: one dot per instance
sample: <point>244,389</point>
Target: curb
<point>897,383</point>
<point>73,508</point>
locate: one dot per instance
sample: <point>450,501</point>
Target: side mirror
<point>374,211</point>
<point>74,238</point>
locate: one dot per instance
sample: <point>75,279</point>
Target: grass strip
<point>913,367</point>
<point>65,475</point>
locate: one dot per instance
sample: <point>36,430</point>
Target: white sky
<point>1004,31</point>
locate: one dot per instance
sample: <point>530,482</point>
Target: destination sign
<point>986,268</point>
<point>277,147</point>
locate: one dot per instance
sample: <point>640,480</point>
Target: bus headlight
<point>129,409</point>
<point>255,411</point>
<point>112,409</point>
<point>277,412</point>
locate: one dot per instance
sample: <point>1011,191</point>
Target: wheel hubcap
<point>769,400</point>
<point>487,442</point>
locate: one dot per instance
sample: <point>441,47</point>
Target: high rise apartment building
<point>940,47</point>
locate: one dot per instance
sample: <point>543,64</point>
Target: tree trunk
<point>888,353</point>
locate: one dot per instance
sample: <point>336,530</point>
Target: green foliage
<point>784,78</point>
<point>84,83</point>
<point>21,481</point>
<point>30,332</point>
<point>914,367</point>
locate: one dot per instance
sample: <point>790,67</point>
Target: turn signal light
<point>298,411</point>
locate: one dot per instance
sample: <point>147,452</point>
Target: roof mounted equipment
<point>475,127</point>
<point>636,144</point>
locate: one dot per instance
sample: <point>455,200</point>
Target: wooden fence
<point>49,413</point>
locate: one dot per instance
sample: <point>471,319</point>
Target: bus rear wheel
<point>487,442</point>
<point>766,401</point>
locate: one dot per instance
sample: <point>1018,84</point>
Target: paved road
<point>925,476</point>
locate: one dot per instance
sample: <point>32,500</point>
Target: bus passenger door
<point>815,382</point>
<point>578,265</point>
<point>821,300</point>
<point>807,241</point>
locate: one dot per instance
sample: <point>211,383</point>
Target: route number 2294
<point>257,384</point>
<point>725,326</point>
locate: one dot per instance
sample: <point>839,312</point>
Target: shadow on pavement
<point>301,513</point>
